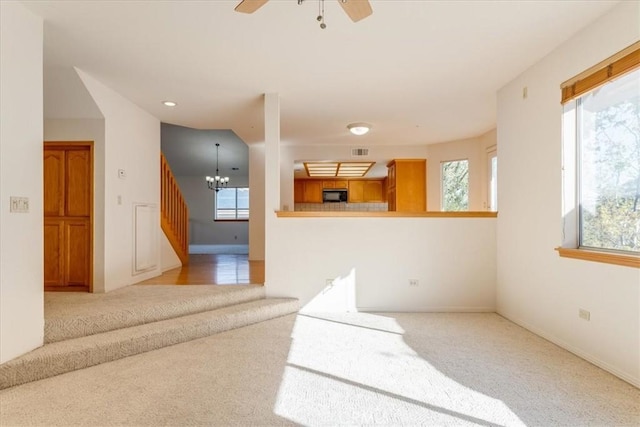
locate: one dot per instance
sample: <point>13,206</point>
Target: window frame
<point>215,206</point>
<point>492,185</point>
<point>442,192</point>
<point>622,63</point>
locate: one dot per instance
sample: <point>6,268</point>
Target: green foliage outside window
<point>609,124</point>
<point>455,185</point>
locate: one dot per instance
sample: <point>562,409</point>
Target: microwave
<point>334,195</point>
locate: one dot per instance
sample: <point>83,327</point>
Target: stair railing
<point>174,217</point>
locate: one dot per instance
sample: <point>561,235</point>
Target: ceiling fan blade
<point>356,9</point>
<point>249,6</point>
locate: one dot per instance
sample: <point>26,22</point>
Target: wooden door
<point>68,206</point>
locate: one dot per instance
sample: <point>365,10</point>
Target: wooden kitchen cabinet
<point>307,191</point>
<point>356,191</point>
<point>298,191</point>
<point>407,185</point>
<point>335,184</point>
<point>366,191</point>
<point>374,191</point>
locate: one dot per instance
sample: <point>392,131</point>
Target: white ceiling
<point>419,71</point>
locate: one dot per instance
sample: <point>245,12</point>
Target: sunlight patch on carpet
<point>355,368</point>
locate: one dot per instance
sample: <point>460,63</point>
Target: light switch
<point>19,204</point>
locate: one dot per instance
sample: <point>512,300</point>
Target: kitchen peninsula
<point>403,189</point>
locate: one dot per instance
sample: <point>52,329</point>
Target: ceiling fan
<point>355,9</point>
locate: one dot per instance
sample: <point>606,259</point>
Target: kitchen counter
<point>378,214</point>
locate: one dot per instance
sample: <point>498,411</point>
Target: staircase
<point>83,330</point>
<point>174,214</point>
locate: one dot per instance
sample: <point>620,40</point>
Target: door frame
<point>89,145</point>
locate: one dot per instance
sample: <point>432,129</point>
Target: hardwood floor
<point>209,269</point>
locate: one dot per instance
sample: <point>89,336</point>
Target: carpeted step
<point>65,356</point>
<point>137,305</point>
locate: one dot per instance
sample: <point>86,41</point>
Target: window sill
<point>230,220</point>
<point>604,257</point>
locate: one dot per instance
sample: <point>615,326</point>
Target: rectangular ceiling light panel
<point>337,169</point>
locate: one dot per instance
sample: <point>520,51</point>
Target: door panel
<point>53,247</point>
<point>373,191</point>
<point>78,191</point>
<point>77,252</point>
<point>53,164</point>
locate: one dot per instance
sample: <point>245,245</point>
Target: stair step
<point>144,304</point>
<point>65,356</point>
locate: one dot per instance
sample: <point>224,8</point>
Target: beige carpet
<point>83,330</point>
<point>343,369</point>
<point>76,314</point>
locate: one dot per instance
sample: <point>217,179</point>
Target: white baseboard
<point>387,309</point>
<point>219,249</point>
<point>578,352</point>
<point>171,266</point>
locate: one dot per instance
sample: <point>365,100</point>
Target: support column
<point>272,152</point>
<point>271,174</point>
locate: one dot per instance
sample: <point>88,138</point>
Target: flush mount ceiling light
<point>359,128</point>
<point>338,169</point>
<point>169,103</point>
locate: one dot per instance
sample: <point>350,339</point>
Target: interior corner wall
<point>475,151</point>
<point>87,130</point>
<point>21,132</point>
<point>132,145</point>
<point>536,288</point>
<point>256,203</point>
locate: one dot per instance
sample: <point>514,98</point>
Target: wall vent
<point>359,152</point>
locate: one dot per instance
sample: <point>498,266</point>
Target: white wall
<point>168,257</point>
<point>21,234</point>
<point>132,143</point>
<point>88,130</point>
<point>256,203</point>
<point>452,258</point>
<point>203,230</point>
<point>475,151</point>
<point>536,288</point>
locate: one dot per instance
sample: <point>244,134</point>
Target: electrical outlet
<point>584,314</point>
<point>414,282</point>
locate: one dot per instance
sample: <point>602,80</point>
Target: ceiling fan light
<point>359,128</point>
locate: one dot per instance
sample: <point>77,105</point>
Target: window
<point>232,204</point>
<point>455,185</point>
<point>602,133</point>
<point>492,166</point>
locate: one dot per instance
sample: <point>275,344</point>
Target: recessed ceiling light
<point>169,103</point>
<point>359,128</point>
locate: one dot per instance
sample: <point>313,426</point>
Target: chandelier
<point>217,182</point>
